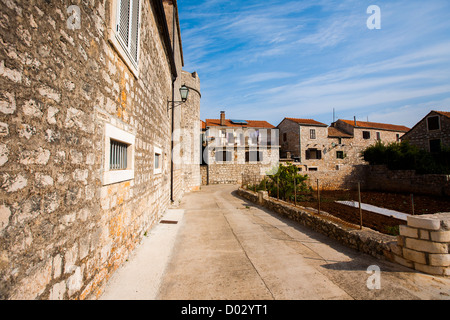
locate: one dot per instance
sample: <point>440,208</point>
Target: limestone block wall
<point>63,229</point>
<point>424,244</point>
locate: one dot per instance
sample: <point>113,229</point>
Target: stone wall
<point>63,229</point>
<point>366,240</point>
<point>231,172</point>
<point>423,244</point>
<point>190,147</point>
<point>381,178</point>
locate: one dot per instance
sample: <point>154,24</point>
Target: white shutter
<point>128,27</point>
<point>134,36</point>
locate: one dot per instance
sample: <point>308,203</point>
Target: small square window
<point>118,155</point>
<point>339,154</point>
<point>435,145</point>
<point>366,135</point>
<point>158,161</point>
<point>433,123</point>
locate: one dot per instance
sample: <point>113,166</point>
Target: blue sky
<point>266,60</point>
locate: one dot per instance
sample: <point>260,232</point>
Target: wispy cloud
<point>303,58</point>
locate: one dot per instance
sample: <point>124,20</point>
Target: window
<point>433,123</point>
<point>435,145</point>
<point>284,137</point>
<point>158,161</point>
<point>366,135</point>
<point>223,156</point>
<point>252,156</point>
<point>378,136</point>
<point>313,154</point>
<point>127,27</point>
<point>339,154</point>
<point>118,155</point>
<point>230,137</point>
<point>397,136</point>
<point>124,31</point>
<point>312,133</point>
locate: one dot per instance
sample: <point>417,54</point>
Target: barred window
<point>118,155</point>
<point>127,28</point>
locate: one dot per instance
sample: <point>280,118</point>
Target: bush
<point>404,156</point>
<point>288,179</point>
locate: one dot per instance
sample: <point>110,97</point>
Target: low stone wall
<point>379,177</point>
<point>366,240</point>
<point>422,245</point>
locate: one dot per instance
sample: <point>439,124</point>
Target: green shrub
<point>404,156</point>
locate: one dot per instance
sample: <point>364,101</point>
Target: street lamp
<point>184,93</point>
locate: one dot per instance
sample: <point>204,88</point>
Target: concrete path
<point>226,248</point>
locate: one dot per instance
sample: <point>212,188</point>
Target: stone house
<point>430,133</point>
<point>364,134</point>
<point>314,146</point>
<point>86,122</point>
<point>239,147</point>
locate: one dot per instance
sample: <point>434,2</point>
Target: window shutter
<point>128,27</point>
<point>123,26</point>
<point>319,154</point>
<point>134,41</point>
<point>307,154</point>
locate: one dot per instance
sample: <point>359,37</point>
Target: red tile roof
<point>375,125</point>
<point>307,121</point>
<point>444,113</point>
<point>250,124</point>
<point>335,132</point>
<point>202,124</point>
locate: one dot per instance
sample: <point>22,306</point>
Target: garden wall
<point>365,240</point>
<point>379,177</point>
<point>422,245</point>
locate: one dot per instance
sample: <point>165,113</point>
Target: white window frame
<point>115,176</point>
<point>114,38</point>
<point>157,151</point>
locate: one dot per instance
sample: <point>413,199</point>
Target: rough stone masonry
<point>67,220</point>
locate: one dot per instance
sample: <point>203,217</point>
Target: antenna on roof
<point>333,115</point>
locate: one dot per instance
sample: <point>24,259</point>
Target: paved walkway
<point>224,247</point>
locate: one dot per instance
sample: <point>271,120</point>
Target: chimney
<point>355,120</point>
<point>222,118</point>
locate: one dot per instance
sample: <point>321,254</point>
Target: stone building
<point>431,133</point>
<point>239,147</point>
<point>86,118</point>
<point>316,147</point>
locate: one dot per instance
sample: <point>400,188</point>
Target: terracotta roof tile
<point>307,121</point>
<point>335,132</point>
<point>250,124</point>
<point>444,113</point>
<point>375,125</point>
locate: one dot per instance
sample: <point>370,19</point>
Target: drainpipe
<point>174,78</point>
